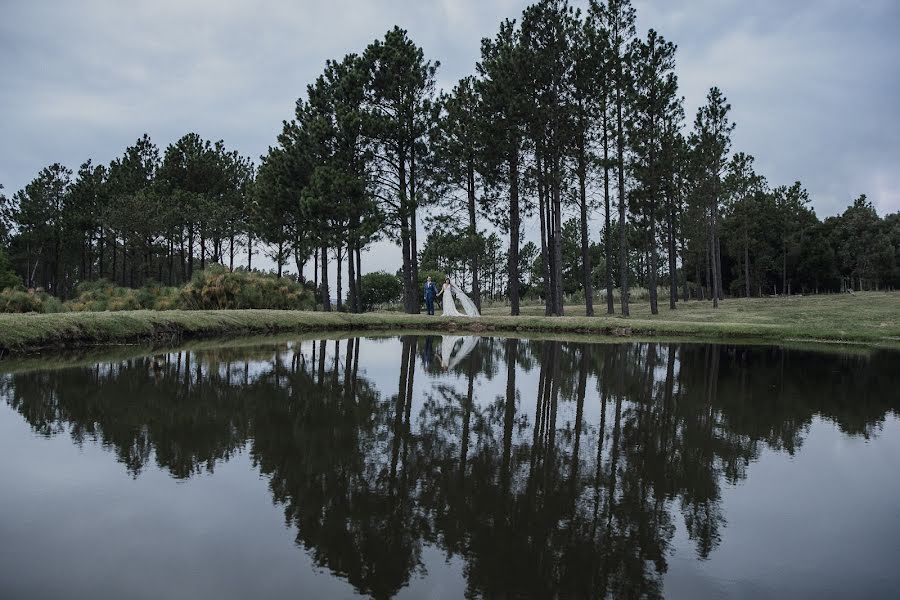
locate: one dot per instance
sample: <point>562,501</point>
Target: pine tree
<point>399,110</point>
<point>654,104</point>
<point>547,32</point>
<point>502,89</point>
<point>616,18</point>
<point>458,151</point>
<point>712,140</point>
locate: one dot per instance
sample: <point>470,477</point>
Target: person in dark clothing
<point>430,293</point>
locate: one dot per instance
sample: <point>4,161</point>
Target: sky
<point>814,84</point>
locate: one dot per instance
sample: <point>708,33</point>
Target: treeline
<point>571,121</point>
<point>142,218</point>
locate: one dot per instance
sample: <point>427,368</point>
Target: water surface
<point>449,467</point>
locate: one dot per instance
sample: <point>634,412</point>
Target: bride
<point>448,290</point>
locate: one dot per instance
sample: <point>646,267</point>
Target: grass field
<point>870,318</point>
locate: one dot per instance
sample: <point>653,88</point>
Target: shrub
<point>98,296</point>
<point>380,288</point>
<point>19,301</point>
<point>31,301</point>
<point>218,288</point>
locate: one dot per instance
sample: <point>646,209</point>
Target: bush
<point>98,296</point>
<point>380,288</point>
<point>218,288</point>
<point>31,301</point>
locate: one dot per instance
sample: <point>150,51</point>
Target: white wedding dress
<point>450,290</point>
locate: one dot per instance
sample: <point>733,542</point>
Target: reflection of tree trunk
<point>543,383</point>
<point>509,412</point>
<point>668,409</point>
<point>614,461</point>
<point>354,377</point>
<point>348,365</point>
<point>334,369</point>
<point>579,415</point>
<point>321,362</point>
<point>601,434</point>
<point>552,401</point>
<point>399,410</point>
<point>411,366</point>
<point>467,414</point>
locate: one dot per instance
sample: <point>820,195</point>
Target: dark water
<point>447,468</point>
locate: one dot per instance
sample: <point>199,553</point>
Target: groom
<point>430,293</point>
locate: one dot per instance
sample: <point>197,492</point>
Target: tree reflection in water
<point>569,487</point>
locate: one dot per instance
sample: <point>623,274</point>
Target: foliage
<point>102,295</point>
<point>8,277</point>
<point>379,288</point>
<point>217,288</point>
<point>568,114</point>
<point>13,300</point>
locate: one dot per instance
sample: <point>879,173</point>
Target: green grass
<point>872,317</point>
<point>869,318</point>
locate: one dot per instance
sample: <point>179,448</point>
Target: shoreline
<point>29,333</point>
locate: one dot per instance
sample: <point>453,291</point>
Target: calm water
<point>443,467</point>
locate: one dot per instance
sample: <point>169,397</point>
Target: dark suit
<point>430,293</point>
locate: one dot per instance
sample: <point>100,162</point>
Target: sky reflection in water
<point>435,467</point>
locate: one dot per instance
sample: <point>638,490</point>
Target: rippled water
<point>444,467</point>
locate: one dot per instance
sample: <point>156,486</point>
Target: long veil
<point>449,358</point>
<point>468,306</point>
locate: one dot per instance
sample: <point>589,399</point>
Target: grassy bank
<point>872,318</point>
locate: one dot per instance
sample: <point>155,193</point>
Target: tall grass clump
<point>99,296</point>
<point>217,288</point>
<point>14,300</point>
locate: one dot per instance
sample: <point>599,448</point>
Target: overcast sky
<point>814,84</point>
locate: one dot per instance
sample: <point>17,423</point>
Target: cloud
<point>813,83</point>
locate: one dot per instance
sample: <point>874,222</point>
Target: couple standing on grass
<point>448,290</point>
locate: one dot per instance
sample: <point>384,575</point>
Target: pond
<point>449,467</point>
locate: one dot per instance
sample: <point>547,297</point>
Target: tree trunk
<point>414,254</point>
<point>279,259</point>
<point>709,261</point>
<point>720,280</point>
<point>607,237</point>
<point>713,242</point>
<point>623,239</point>
<point>339,257</point>
<point>513,258</point>
<point>473,233</point>
<point>673,266</point>
<point>405,245</point>
<point>545,259</point>
<point>351,278</point>
<point>557,240</point>
<point>359,280</point>
<point>585,242</point>
<point>326,298</point>
<point>654,299</point>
